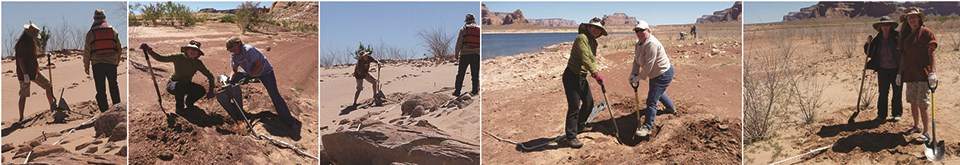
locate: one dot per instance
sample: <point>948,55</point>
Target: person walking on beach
<point>917,67</point>
<point>582,62</point>
<point>362,72</point>
<point>650,62</point>
<point>885,60</point>
<point>186,64</point>
<point>26,51</point>
<point>102,50</point>
<point>467,52</point>
<point>256,65</point>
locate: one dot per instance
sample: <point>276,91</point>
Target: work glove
<point>598,77</point>
<point>146,47</point>
<point>932,79</point>
<point>634,79</point>
<point>898,81</point>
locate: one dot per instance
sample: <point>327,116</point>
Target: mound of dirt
<point>422,103</point>
<point>379,143</point>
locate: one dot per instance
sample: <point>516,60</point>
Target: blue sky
<point>76,14</point>
<point>346,24</point>
<point>763,12</point>
<point>655,13</point>
<point>216,5</point>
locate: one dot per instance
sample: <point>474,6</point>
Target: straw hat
<point>885,20</point>
<point>192,45</point>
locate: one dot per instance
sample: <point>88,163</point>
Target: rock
<point>7,147</point>
<point>501,18</point>
<point>122,152</point>
<point>92,150</point>
<point>553,22</point>
<point>869,9</point>
<point>619,19</point>
<point>381,143</point>
<point>119,132</point>
<point>420,104</point>
<point>108,121</point>
<point>166,156</point>
<point>729,14</point>
<point>723,127</point>
<point>46,149</point>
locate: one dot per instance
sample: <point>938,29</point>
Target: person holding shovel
<point>917,67</point>
<point>102,50</point>
<point>362,72</point>
<point>256,65</point>
<point>468,54</point>
<point>885,60</point>
<point>650,62</point>
<point>26,52</point>
<point>186,64</point>
<point>582,62</point>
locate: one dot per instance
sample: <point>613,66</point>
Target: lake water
<point>511,44</point>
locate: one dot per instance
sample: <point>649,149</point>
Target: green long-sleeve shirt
<point>583,55</point>
<point>183,67</point>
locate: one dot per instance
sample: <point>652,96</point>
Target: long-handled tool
<point>603,89</point>
<point>636,98</point>
<point>154,79</point>
<point>863,77</point>
<point>934,149</point>
<point>230,85</point>
<point>378,95</point>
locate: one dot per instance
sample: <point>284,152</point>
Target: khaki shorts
<point>369,79</point>
<point>918,93</point>
<point>41,80</point>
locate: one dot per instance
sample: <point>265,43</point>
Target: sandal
<point>922,138</point>
<point>915,129</point>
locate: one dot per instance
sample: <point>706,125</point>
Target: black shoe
<point>574,143</point>
<point>585,128</point>
<point>456,94</point>
<point>475,93</point>
<point>880,119</point>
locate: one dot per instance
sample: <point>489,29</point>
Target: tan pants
<point>918,93</point>
<point>41,80</point>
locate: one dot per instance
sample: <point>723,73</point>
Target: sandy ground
<point>399,79</point>
<point>79,93</point>
<point>863,142</point>
<point>524,102</point>
<point>208,134</point>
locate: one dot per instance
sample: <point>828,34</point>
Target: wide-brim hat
<point>912,11</point>
<point>597,23</point>
<point>98,14</point>
<point>470,18</point>
<point>192,45</point>
<point>885,20</point>
<point>32,28</point>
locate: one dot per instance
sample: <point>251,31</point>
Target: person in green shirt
<point>186,64</point>
<point>582,62</point>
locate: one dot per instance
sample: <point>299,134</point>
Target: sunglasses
<point>639,30</point>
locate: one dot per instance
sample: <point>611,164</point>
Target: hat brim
<point>603,30</point>
<point>184,49</point>
<point>893,25</point>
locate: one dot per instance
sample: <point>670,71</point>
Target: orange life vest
<point>472,36</point>
<point>104,39</point>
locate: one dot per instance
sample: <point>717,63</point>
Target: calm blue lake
<point>511,44</point>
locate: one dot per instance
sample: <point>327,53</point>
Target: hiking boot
<point>643,131</point>
<point>574,143</point>
<point>880,119</point>
<point>475,93</point>
<point>456,94</point>
<point>667,111</point>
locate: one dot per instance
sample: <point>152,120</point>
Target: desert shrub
<point>808,91</point>
<point>249,16</point>
<point>766,80</point>
<point>229,18</point>
<point>437,42</point>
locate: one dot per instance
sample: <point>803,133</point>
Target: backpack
<point>104,39</point>
<point>472,36</point>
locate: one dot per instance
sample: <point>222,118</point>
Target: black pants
<point>185,93</point>
<point>886,79</point>
<point>103,75</point>
<point>579,101</point>
<point>473,61</point>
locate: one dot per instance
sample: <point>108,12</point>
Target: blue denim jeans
<point>269,81</point>
<point>657,92</point>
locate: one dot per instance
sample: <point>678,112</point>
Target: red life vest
<point>472,36</point>
<point>104,39</point>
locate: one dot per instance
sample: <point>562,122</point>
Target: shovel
<point>612,118</point>
<point>62,104</point>
<point>934,149</point>
<point>154,79</point>
<point>636,98</point>
<point>863,76</point>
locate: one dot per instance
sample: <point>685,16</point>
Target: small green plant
<point>229,19</point>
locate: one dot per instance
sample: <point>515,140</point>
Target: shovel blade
<point>934,151</point>
<point>596,110</point>
<point>62,105</point>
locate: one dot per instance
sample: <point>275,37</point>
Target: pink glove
<point>598,77</point>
